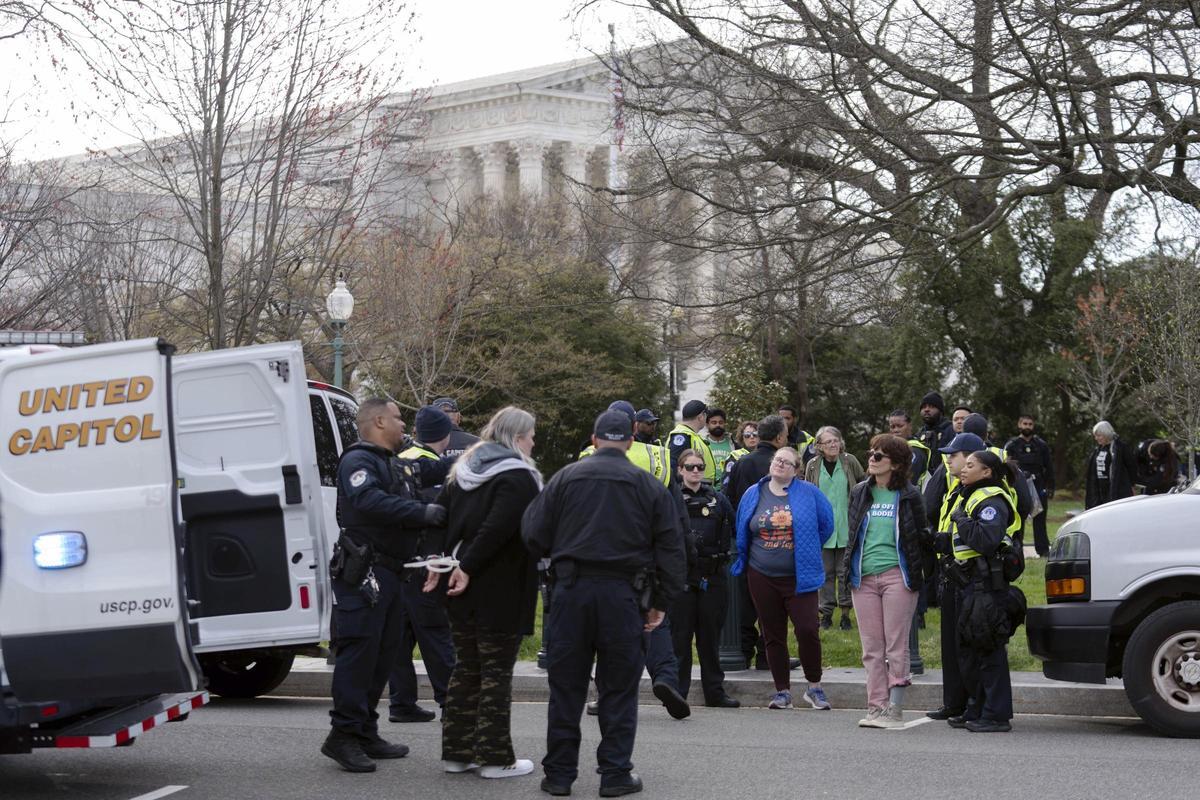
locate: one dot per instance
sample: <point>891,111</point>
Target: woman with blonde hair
<point>492,593</point>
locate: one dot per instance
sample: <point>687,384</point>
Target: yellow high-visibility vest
<point>698,444</point>
<point>962,552</point>
<point>651,457</point>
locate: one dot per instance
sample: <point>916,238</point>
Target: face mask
<point>717,431</point>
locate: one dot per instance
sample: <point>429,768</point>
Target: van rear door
<point>250,495</point>
<point>91,596</point>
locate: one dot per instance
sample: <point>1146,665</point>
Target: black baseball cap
<point>613,426</point>
<point>693,408</point>
<point>445,404</point>
<point>645,415</point>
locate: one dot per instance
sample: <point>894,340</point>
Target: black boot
<point>347,751</point>
<point>379,748</point>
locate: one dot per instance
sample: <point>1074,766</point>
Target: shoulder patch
<point>678,439</point>
<point>988,514</point>
<point>358,478</point>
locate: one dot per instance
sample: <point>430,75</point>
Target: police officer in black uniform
<point>611,532</point>
<point>380,522</point>
<point>460,440</point>
<point>1033,456</point>
<point>699,611</point>
<point>426,623</point>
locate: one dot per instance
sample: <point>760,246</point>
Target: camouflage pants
<point>475,721</point>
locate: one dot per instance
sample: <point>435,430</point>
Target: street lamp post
<point>340,305</point>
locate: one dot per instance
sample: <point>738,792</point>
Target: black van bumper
<point>1071,639</point>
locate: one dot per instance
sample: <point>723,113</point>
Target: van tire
<point>243,674</point>
<point>1162,670</point>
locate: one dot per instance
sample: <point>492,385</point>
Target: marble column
<point>530,153</point>
<point>462,178</point>
<point>494,158</point>
<point>575,161</point>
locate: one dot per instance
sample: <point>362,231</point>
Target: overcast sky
<point>458,39</point>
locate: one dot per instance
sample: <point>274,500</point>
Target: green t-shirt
<point>837,492</point>
<point>879,545</point>
<point>720,451</point>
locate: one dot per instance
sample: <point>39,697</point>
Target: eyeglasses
<point>692,467</point>
<point>876,455</point>
<point>828,443</point>
<point>783,462</point>
<point>750,435</point>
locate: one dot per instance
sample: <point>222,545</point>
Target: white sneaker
<point>522,766</point>
<point>871,720</point>
<point>892,717</point>
<point>455,767</point>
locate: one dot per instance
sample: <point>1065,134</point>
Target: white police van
<point>161,518</point>
<point>1123,600</point>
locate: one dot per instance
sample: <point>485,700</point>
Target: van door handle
<point>291,485</point>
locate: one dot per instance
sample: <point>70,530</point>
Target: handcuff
<point>441,563</point>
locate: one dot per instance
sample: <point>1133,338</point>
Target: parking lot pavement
<point>268,748</point>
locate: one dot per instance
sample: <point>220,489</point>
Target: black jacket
<point>1121,472</point>
<point>938,436</point>
<point>605,512</point>
<point>377,503</point>
<point>502,592</point>
<point>982,530</point>
<point>710,540</point>
<point>460,441</point>
<point>1033,456</point>
<point>749,470</point>
<point>915,544</point>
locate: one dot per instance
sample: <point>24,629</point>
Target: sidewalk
<point>1032,693</point>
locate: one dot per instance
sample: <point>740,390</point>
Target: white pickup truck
<point>162,518</point>
<point>1123,600</point>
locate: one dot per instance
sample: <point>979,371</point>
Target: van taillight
<point>304,603</point>
<point>1066,587</point>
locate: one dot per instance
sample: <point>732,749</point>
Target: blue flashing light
<point>60,550</point>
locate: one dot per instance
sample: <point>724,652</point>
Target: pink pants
<point>884,607</point>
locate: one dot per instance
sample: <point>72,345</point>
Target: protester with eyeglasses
<point>884,561</point>
<point>834,473</point>
<point>782,524</point>
<point>746,440</point>
<point>699,611</point>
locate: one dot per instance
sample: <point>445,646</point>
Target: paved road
<point>268,749</point>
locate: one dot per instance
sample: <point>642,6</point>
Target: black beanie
<point>934,399</point>
<point>432,424</point>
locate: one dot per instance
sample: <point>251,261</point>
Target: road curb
<point>846,688</point>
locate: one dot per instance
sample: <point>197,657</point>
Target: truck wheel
<point>1162,670</point>
<point>245,673</point>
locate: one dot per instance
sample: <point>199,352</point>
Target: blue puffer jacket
<point>812,525</point>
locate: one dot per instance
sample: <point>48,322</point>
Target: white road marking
<point>918,721</point>
<point>157,793</point>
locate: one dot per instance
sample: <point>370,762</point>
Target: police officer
<point>611,532</point>
<point>686,436</point>
<point>798,439</point>
<point>645,424</point>
<point>900,424</point>
<point>381,523</point>
<point>660,647</point>
<point>648,455</point>
<point>1033,456</point>
<point>940,496</point>
<point>699,611</point>
<point>982,520</point>
<point>460,440</point>
<point>426,623</point>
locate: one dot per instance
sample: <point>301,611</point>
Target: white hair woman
<point>835,473</point>
<point>1111,467</point>
<point>492,593</point>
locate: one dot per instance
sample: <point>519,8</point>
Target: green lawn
<point>843,649</point>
